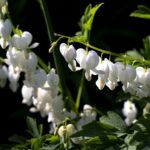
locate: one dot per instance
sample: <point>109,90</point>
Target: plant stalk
<point>56,55</point>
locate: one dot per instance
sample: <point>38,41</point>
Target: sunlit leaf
<point>142,12</point>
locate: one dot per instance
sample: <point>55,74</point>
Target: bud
<point>53,78</point>
<point>68,52</point>
<point>62,131</point>
<point>70,129</point>
<point>27,93</point>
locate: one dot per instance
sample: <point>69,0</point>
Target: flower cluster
<point>135,80</point>
<point>39,90</point>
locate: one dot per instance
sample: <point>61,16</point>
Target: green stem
<point>89,45</point>
<point>56,55</point>
<point>147,62</point>
<point>78,99</point>
<point>47,20</point>
<point>43,65</point>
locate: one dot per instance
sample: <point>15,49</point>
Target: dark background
<point>113,29</point>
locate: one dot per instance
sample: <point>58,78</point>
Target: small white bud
<point>62,131</point>
<point>70,129</point>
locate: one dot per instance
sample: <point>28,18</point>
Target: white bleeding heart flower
<point>23,41</point>
<point>130,112</point>
<point>87,61</point>
<point>5,28</point>
<point>31,62</point>
<point>21,59</point>
<point>52,78</point>
<point>38,78</point>
<point>113,72</point>
<point>88,115</point>
<point>143,76</point>
<point>102,78</point>
<point>13,76</point>
<point>3,43</point>
<point>12,57</point>
<point>27,93</point>
<point>5,31</point>
<point>3,75</point>
<point>52,82</point>
<point>125,73</point>
<point>140,75</point>
<point>28,61</point>
<point>69,53</point>
<point>147,77</point>
<point>111,85</point>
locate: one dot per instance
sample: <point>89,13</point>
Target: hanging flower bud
<point>102,78</point>
<point>27,93</point>
<point>147,77</point>
<point>5,28</point>
<point>38,78</point>
<point>125,73</point>
<point>62,131</point>
<point>28,61</point>
<point>5,31</point>
<point>88,61</point>
<point>69,53</point>
<point>13,76</point>
<point>70,129</point>
<point>52,79</point>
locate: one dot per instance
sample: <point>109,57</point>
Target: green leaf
<point>36,144</point>
<point>142,12</point>
<point>33,128</point>
<point>146,50</point>
<point>90,130</point>
<point>113,120</point>
<point>134,53</point>
<point>40,129</point>
<point>53,139</point>
<point>86,22</point>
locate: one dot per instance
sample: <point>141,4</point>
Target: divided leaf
<point>113,121</point>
